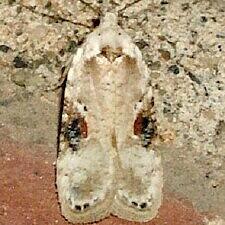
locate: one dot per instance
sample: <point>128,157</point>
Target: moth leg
<point>62,79</point>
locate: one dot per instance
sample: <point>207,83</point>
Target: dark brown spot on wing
<point>145,126</point>
<point>111,54</point>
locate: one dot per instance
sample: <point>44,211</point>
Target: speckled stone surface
<point>183,43</point>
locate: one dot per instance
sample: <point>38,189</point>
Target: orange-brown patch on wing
<point>83,127</point>
<point>138,124</point>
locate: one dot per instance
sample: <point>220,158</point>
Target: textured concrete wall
<point>183,44</point>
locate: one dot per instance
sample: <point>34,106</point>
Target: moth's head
<point>109,20</point>
<point>109,30</point>
<point>109,34</point>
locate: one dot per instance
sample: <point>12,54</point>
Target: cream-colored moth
<point>107,162</point>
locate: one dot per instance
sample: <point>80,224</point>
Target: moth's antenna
<point>110,6</point>
<point>96,10</point>
<point>54,17</point>
<point>120,12</point>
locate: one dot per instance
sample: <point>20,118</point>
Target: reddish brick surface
<point>28,195</point>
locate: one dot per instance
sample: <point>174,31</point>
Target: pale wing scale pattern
<point>107,162</point>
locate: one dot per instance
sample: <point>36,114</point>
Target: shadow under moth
<point>107,162</point>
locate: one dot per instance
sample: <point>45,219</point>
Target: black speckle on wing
<point>149,130</point>
<point>72,133</point>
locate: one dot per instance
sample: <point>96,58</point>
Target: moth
<point>107,162</point>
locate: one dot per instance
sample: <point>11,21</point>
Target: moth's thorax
<point>108,35</point>
<point>113,80</point>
